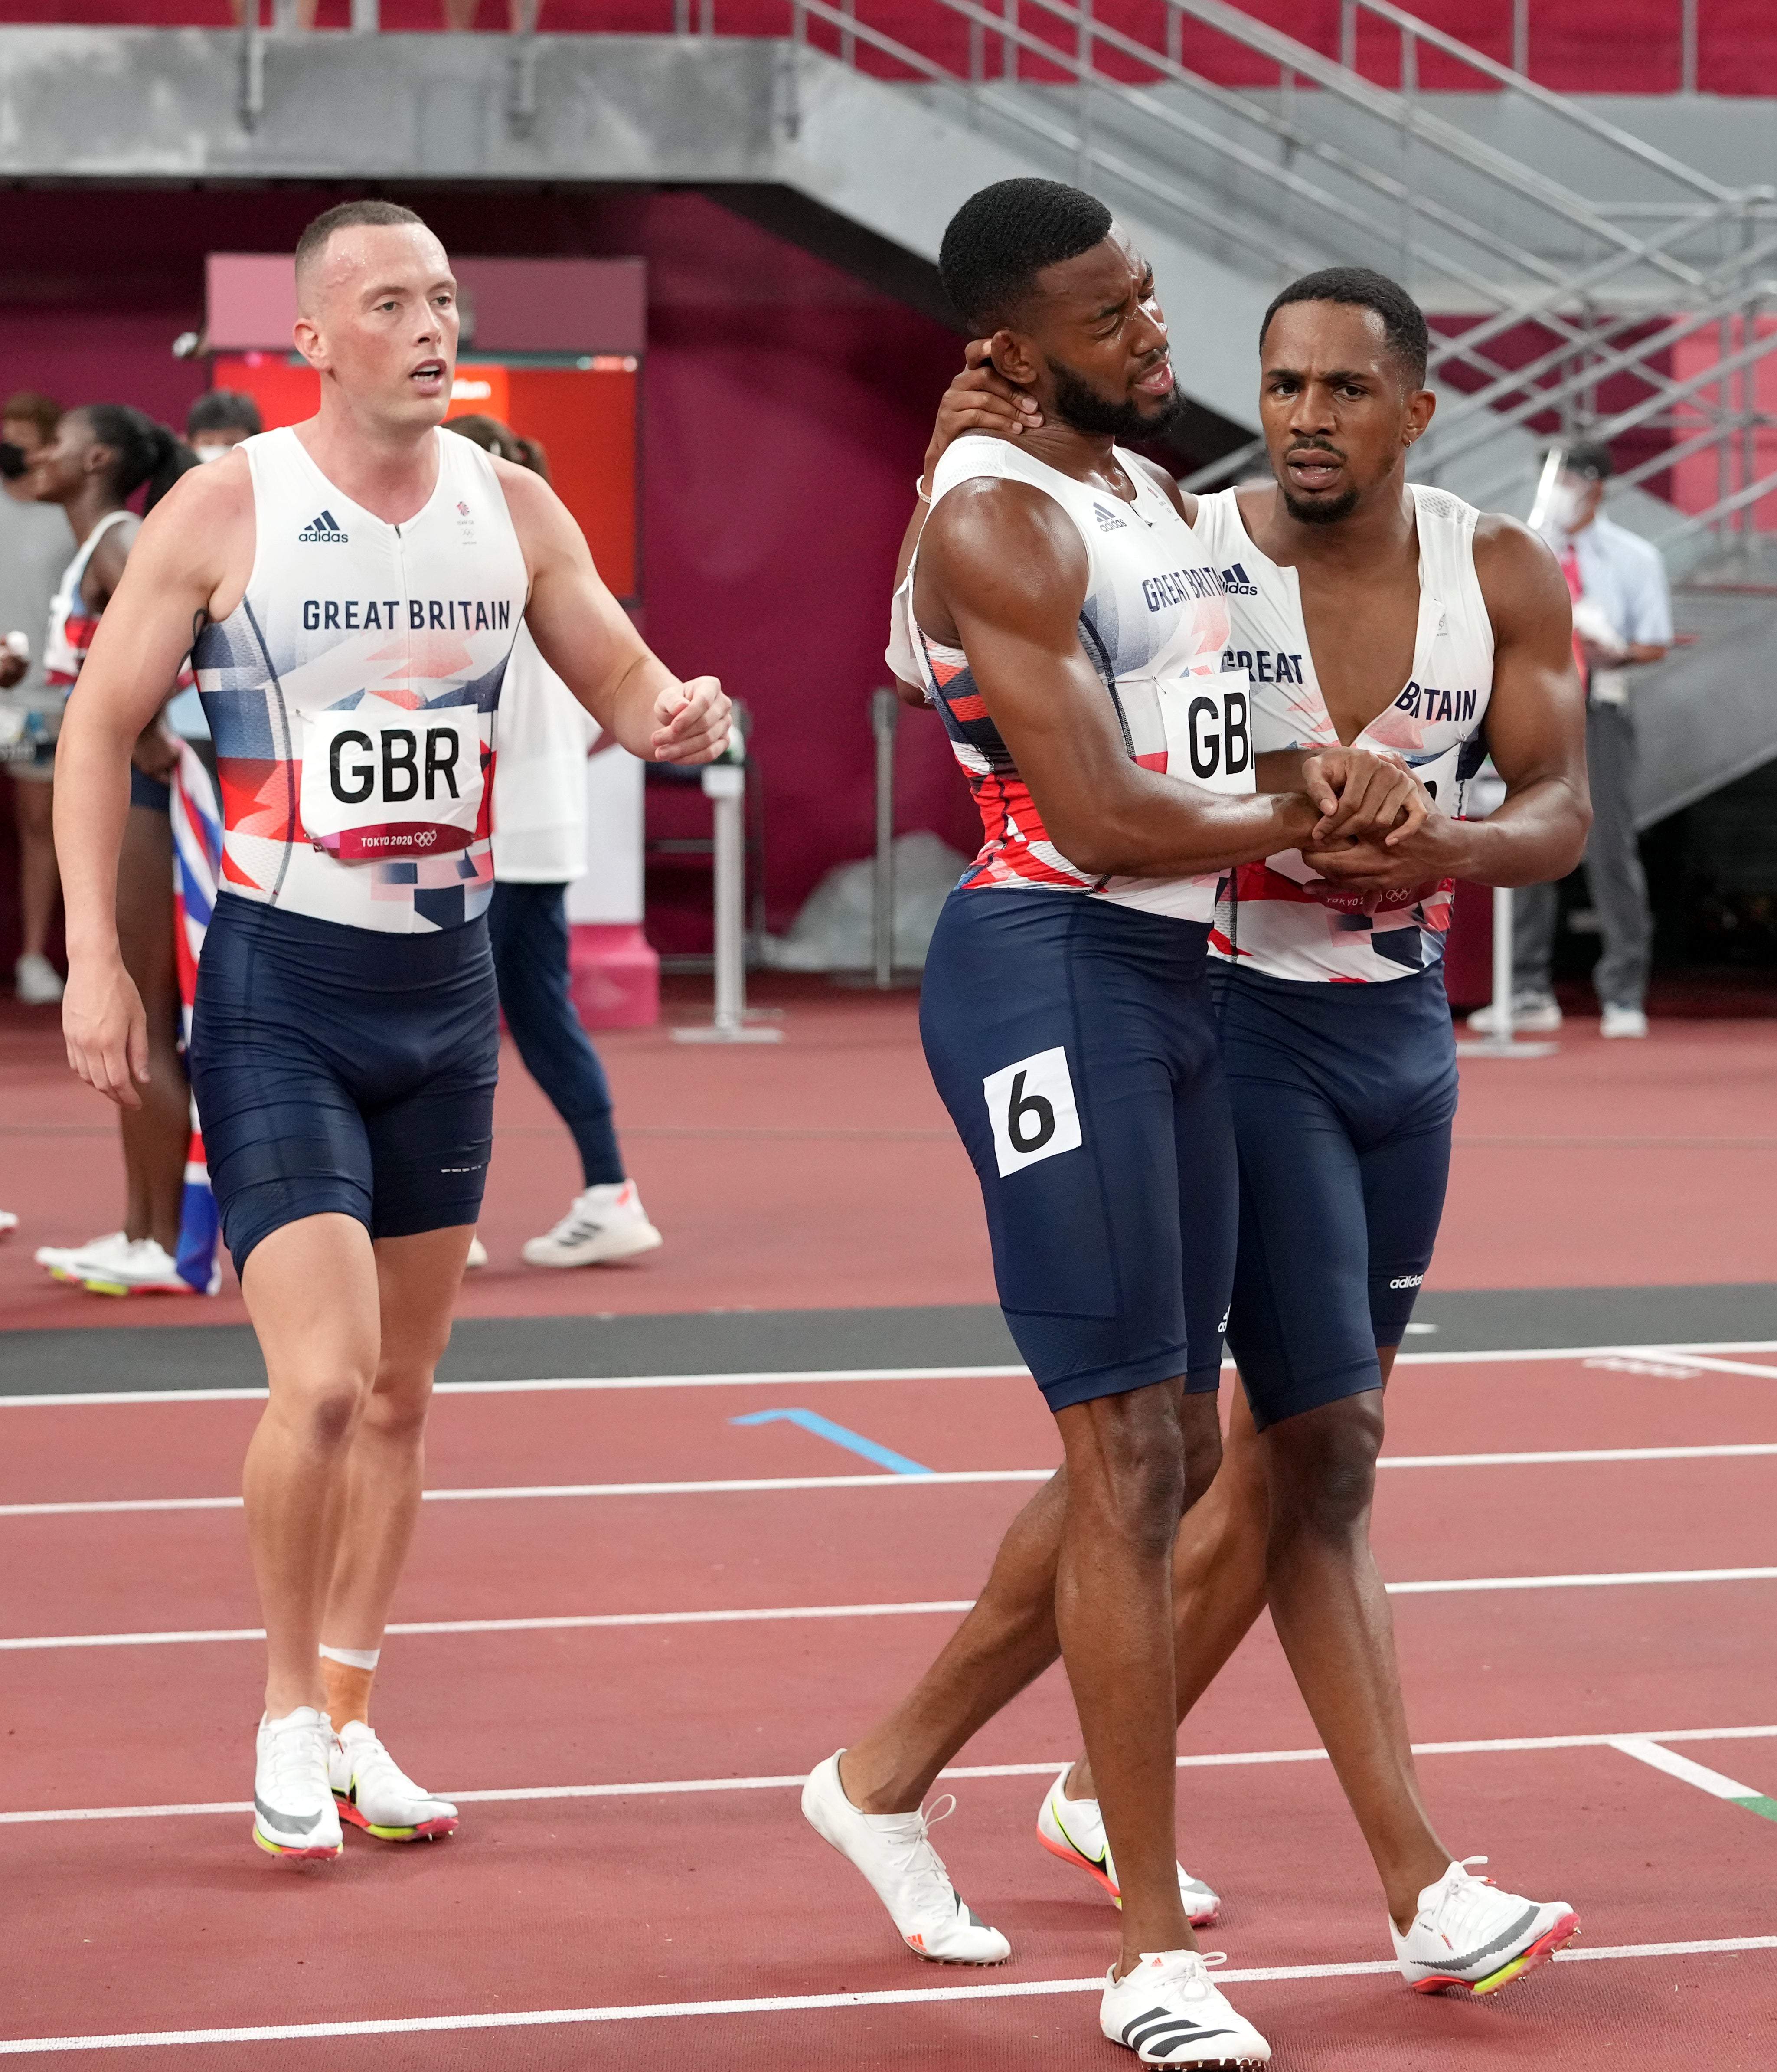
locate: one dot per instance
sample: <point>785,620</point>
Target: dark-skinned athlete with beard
<point>1394,618</point>
<point>1071,632</point>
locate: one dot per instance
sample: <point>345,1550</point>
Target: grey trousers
<point>1614,876</point>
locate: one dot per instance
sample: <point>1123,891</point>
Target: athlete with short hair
<point>1396,618</point>
<point>355,584</point>
<point>1070,629</point>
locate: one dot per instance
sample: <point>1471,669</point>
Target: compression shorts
<point>338,1071</point>
<point>1072,1043</point>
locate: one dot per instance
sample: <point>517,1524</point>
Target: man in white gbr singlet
<point>357,583</point>
<point>1395,619</point>
<point>1068,626</point>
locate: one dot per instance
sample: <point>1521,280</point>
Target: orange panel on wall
<point>582,411</point>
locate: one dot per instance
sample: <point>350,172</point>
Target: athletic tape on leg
<point>353,1657</point>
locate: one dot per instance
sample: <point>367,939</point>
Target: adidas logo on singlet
<point>1239,583</point>
<point>1108,520</point>
<point>323,531</point>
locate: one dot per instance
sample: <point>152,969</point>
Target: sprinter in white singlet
<point>1069,629</point>
<point>355,584</point>
<point>1395,619</point>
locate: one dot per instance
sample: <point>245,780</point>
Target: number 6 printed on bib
<point>381,780</point>
<point>1032,1108</point>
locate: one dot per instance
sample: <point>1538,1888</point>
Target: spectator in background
<point>216,424</point>
<point>539,846</point>
<point>100,456</point>
<point>35,545</point>
<point>218,420</point>
<point>1623,619</point>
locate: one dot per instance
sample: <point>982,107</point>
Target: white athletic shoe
<point>293,1812</point>
<point>603,1224</point>
<point>478,1254</point>
<point>374,1793</point>
<point>1467,1933</point>
<point>906,1873</point>
<point>1073,1829</point>
<point>141,1268</point>
<point>1622,1022</point>
<point>1168,2012</point>
<point>98,1252</point>
<point>36,981</point>
<point>8,1222</point>
<point>1532,1014</point>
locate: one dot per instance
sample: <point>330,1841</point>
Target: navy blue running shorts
<point>1073,1043</point>
<point>344,1071</point>
<point>1343,1098</point>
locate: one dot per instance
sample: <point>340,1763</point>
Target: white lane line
<point>1646,1750</point>
<point>1438,1587</point>
<point>1692,1355</point>
<point>795,2004</point>
<point>1606,1456</point>
<point>669,1787</point>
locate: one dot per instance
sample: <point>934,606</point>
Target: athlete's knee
<point>1126,1466</point>
<point>324,1405</point>
<point>1201,1424</point>
<point>1323,1466</point>
<point>401,1401</point>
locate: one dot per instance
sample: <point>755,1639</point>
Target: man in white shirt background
<point>1623,620</point>
<point>539,848</point>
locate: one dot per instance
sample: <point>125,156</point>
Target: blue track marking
<point>824,1428</point>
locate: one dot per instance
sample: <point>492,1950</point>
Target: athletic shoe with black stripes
<point>895,1853</point>
<point>1467,1933</point>
<point>293,1812</point>
<point>1168,2012</point>
<point>1073,1829</point>
<point>373,1792</point>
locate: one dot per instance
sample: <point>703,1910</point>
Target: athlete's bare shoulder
<point>199,538</point>
<point>1520,579</point>
<point>998,523</point>
<point>544,524</point>
<point>1168,484</point>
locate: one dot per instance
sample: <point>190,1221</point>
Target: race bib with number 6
<point>380,781</point>
<point>1032,1108</point>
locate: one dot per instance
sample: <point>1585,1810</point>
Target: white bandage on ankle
<point>353,1657</point>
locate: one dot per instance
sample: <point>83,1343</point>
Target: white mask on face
<point>205,449</point>
<point>1565,502</point>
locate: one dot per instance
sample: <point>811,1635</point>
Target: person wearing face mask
<point>1623,620</point>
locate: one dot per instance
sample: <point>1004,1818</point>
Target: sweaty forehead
<point>1101,277</point>
<point>365,256</point>
<point>1305,337</point>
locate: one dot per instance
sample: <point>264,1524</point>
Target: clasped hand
<point>1377,833</point>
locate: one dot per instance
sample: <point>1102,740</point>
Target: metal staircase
<point>1572,269</point>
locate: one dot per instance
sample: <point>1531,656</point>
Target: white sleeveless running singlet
<point>1277,924</point>
<point>352,691</point>
<point>1154,625</point>
<point>72,621</point>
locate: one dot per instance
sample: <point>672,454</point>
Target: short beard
<point>1084,411</point>
<point>1320,514</point>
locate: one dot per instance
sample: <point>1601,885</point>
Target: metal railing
<point>1572,307</point>
<point>1564,286</point>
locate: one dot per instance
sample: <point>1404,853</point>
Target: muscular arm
<point>587,638</point>
<point>1536,731</point>
<point>1003,574</point>
<point>176,565</point>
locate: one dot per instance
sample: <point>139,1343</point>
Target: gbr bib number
<point>1208,723</point>
<point>380,781</point>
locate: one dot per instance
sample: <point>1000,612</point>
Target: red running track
<point>824,1172</point>
<point>647,1897</point>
